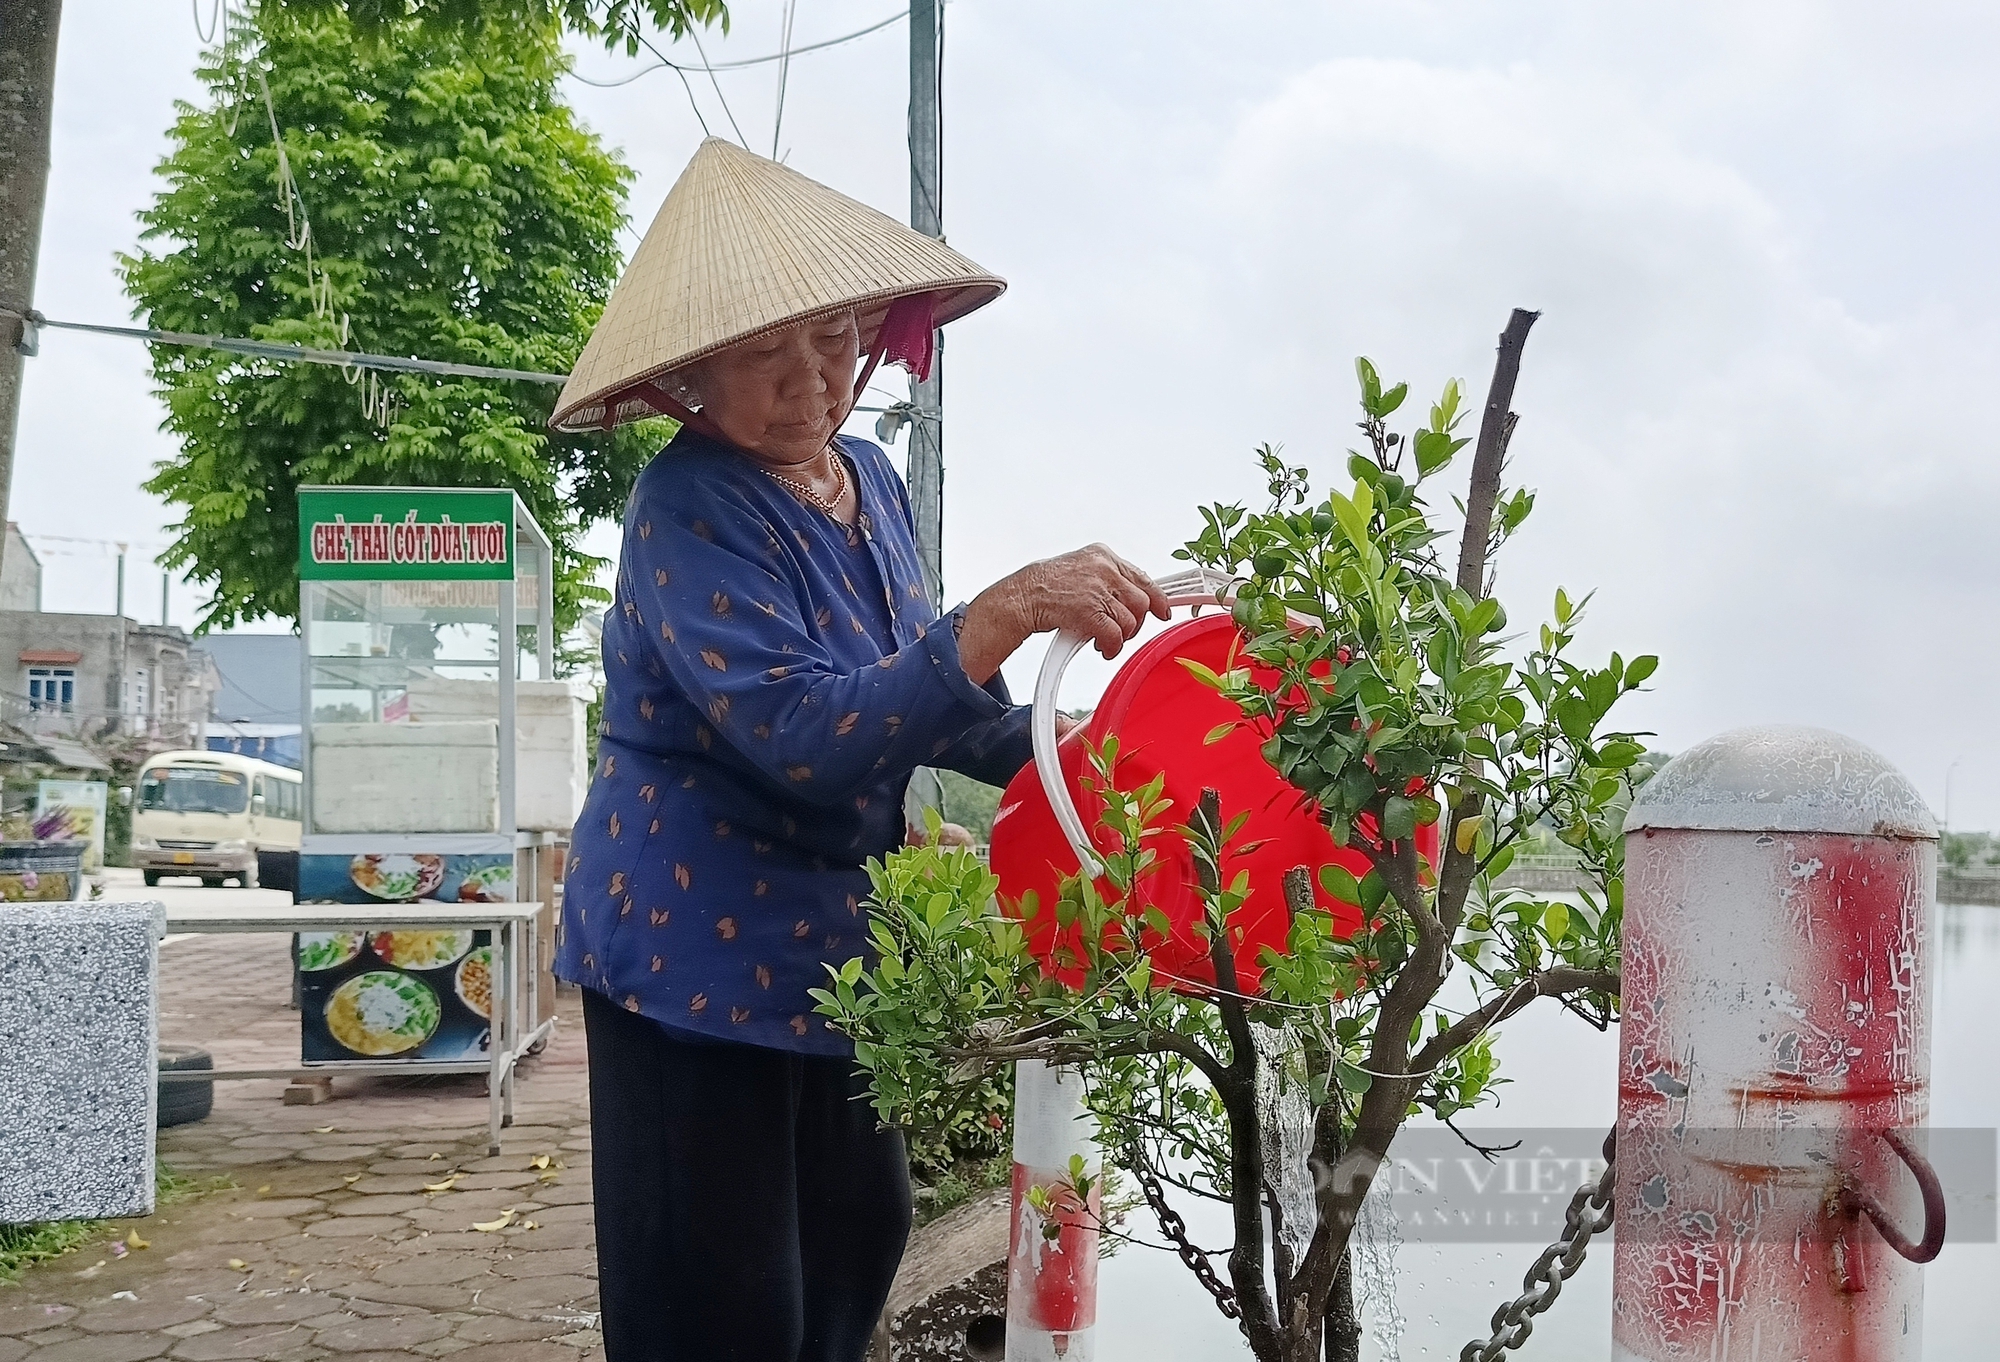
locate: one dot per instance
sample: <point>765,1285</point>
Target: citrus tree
<point>1401,700</point>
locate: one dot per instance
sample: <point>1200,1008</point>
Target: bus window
<point>191,789</point>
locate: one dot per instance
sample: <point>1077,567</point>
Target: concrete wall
<point>20,573</point>
<point>171,705</point>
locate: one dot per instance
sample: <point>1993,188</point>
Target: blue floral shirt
<point>771,679</point>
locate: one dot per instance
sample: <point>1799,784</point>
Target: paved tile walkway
<point>333,1243</point>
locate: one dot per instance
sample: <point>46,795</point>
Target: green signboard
<point>406,534</point>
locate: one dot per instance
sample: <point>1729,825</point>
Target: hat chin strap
<point>867,372</point>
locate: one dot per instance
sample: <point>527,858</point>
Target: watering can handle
<point>1194,587</point>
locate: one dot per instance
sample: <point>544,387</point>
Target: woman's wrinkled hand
<point>1090,592</point>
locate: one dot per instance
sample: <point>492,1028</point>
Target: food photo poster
<point>415,995</point>
<point>401,995</point>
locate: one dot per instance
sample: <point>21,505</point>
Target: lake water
<point>1151,1310</point>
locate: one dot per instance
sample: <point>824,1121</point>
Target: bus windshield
<point>189,789</point>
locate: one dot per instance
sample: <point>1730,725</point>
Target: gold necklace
<point>805,490</point>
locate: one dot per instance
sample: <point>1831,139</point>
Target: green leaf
<point>1639,669</point>
<point>1555,921</point>
<point>1339,881</point>
<point>1201,673</point>
<point>1399,818</point>
<point>1371,383</point>
<point>1219,732</point>
<point>1354,1079</point>
<point>1374,889</point>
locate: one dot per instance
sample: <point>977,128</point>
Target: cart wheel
<point>152,879</point>
<point>180,1103</point>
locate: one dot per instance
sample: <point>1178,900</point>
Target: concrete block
<point>414,777</point>
<point>79,1076</point>
<point>551,756</point>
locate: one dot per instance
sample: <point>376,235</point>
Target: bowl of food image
<point>397,878</point>
<point>487,884</point>
<point>382,1013</point>
<point>327,950</point>
<point>420,950</point>
<point>474,981</point>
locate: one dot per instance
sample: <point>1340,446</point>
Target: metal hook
<point>1855,1201</point>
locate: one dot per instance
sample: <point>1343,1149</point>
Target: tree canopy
<point>457,210</point>
<point>615,21</point>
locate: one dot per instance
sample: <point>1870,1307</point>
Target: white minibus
<point>218,816</point>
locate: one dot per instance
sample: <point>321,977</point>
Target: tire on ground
<point>180,1103</point>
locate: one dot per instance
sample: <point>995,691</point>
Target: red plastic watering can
<point>1047,823</point>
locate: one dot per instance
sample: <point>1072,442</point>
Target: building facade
<point>20,573</point>
<point>96,677</point>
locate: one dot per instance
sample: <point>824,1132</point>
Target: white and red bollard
<point>1052,1247</point>
<point>1774,1057</point>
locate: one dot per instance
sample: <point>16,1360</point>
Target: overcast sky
<point>1761,236</point>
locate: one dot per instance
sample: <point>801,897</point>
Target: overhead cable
<point>784,73</point>
<point>282,351</point>
<point>712,67</point>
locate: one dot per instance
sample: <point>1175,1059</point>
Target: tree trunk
<point>1343,1330</point>
<point>27,91</point>
<point>1496,425</point>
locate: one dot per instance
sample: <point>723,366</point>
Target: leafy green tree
<point>1395,706</point>
<point>434,197</point>
<point>615,21</point>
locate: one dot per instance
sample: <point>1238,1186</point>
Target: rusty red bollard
<point>1774,1056</point>
<point>1052,1245</point>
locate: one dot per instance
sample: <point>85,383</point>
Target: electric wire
<point>702,52</point>
<point>215,19</point>
<point>664,64</point>
<point>784,73</point>
<point>299,354</point>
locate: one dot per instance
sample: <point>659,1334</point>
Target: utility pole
<point>118,623</point>
<point>27,89</point>
<point>926,462</point>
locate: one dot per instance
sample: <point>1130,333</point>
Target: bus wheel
<point>212,881</point>
<point>152,879</point>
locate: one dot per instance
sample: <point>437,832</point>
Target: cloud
<point>1746,469</point>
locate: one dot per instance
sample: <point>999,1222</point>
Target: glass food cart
<point>424,613</point>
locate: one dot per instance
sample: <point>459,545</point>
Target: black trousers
<point>748,1210</point>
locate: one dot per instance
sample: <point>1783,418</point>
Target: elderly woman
<point>774,672</point>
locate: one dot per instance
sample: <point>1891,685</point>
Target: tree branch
<point>1455,877</point>
<point>1238,1094</point>
<point>1548,983</point>
<point>1059,1049</point>
<point>1488,456</point>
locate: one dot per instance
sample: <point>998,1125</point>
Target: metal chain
<point>1175,1229</point>
<point>1589,1214</point>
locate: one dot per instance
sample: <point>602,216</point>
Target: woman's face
<point>781,397</point>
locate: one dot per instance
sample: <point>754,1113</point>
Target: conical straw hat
<point>744,246</point>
